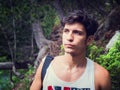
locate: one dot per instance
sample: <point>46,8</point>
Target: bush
<point>110,60</point>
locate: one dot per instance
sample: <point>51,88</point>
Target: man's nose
<point>70,37</point>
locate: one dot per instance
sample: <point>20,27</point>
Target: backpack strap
<point>47,62</point>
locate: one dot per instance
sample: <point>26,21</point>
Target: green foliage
<point>62,49</point>
<point>110,60</point>
<point>5,83</point>
<point>56,20</point>
<point>93,51</point>
<point>49,19</point>
<point>27,80</point>
<point>3,59</point>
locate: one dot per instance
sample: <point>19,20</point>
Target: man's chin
<point>70,52</point>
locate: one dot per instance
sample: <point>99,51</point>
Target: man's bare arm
<point>102,78</point>
<point>37,83</point>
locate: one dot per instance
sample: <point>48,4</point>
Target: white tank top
<point>85,82</point>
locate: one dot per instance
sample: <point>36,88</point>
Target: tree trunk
<point>38,35</point>
<point>9,65</point>
<point>112,23</point>
<point>57,5</point>
<point>41,41</point>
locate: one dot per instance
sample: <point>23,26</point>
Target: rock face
<point>56,37</point>
<point>113,40</point>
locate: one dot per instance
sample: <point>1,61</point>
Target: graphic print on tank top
<point>65,88</point>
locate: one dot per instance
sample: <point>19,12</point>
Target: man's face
<point>74,38</point>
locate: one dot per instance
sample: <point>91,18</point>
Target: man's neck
<point>74,60</point>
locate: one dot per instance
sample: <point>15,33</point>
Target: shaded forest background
<point>31,29</point>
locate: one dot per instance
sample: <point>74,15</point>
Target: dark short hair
<point>81,16</point>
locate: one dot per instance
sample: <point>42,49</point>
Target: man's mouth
<point>69,45</point>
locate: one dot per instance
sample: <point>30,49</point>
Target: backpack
<point>47,62</point>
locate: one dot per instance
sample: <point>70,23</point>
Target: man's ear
<point>90,39</point>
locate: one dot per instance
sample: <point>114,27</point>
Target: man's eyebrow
<point>65,29</point>
<point>77,30</point>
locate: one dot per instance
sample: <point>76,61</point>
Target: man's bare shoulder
<point>102,77</point>
<point>58,58</point>
<point>100,70</point>
<point>57,61</point>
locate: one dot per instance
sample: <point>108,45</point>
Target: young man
<point>73,71</point>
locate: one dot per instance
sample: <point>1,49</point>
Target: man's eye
<point>77,32</point>
<point>65,30</point>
